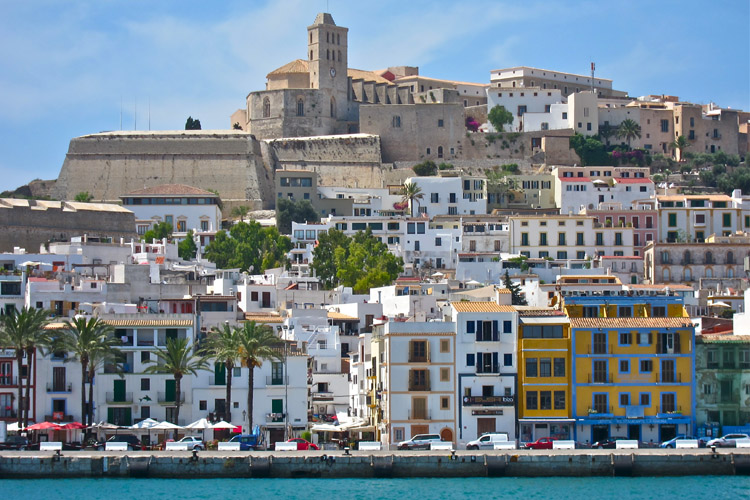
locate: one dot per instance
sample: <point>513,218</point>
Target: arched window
<point>266,107</point>
<point>665,275</point>
<point>311,37</point>
<point>709,258</point>
<point>333,107</point>
<point>328,38</point>
<point>300,107</point>
<point>709,273</point>
<point>686,257</point>
<point>311,55</point>
<point>730,272</point>
<point>328,54</point>
<point>339,55</point>
<point>338,39</point>
<point>440,151</point>
<point>688,274</point>
<point>730,257</point>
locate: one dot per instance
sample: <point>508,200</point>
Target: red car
<point>303,444</point>
<point>540,444</point>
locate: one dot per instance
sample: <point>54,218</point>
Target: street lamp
<point>244,416</point>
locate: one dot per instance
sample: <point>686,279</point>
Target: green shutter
<point>672,220</point>
<point>277,406</point>
<point>220,374</point>
<point>169,390</point>
<point>119,390</point>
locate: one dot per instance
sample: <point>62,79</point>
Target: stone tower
<point>327,53</point>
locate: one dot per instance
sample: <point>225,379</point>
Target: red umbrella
<point>41,426</point>
<point>73,425</point>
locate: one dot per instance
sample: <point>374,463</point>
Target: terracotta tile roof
<point>263,318</point>
<point>296,66</point>
<point>171,190</point>
<point>502,290</point>
<point>637,180</point>
<point>630,323</point>
<point>481,307</point>
<point>368,76</point>
<point>342,317</point>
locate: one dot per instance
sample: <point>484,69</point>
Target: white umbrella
<point>720,304</point>
<point>223,425</point>
<point>14,427</point>
<point>145,424</point>
<point>166,426</point>
<point>201,424</point>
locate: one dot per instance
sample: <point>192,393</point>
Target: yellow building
<point>633,360</point>
<point>544,375</point>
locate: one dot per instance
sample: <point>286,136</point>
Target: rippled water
<point>684,488</point>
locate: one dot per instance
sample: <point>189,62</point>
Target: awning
<point>546,420</point>
<point>634,421</point>
<point>362,428</point>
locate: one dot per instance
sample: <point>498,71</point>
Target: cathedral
<point>318,95</point>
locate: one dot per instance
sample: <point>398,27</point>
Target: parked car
<point>419,442</point>
<point>487,441</point>
<point>247,441</point>
<point>303,444</point>
<point>193,443</point>
<point>728,441</point>
<point>133,442</point>
<point>15,442</point>
<point>544,443</point>
<point>609,444</point>
<point>672,443</point>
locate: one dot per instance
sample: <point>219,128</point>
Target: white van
<point>487,441</point>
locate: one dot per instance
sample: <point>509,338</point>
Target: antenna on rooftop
<point>593,67</point>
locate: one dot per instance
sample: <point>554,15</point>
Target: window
<point>440,123</point>
<point>672,220</point>
<point>445,345</point>
<point>445,374</point>
<point>600,371</point>
<point>507,327</point>
<point>531,367</point>
<point>665,125</point>
<point>545,367</point>
<point>524,239</point>
<point>645,399</point>
<point>626,338</point>
<point>145,384</point>
<point>445,403</point>
<point>300,107</point>
<point>624,366</point>
<point>559,400</point>
<point>543,239</point>
<point>579,239</point>
<point>418,351</point>
<point>726,220</point>
<point>419,380</point>
<point>507,359</point>
<point>532,402</point>
<point>561,239</point>
<point>601,405</point>
<point>599,239</point>
<point>396,122</point>
<point>668,402</point>
<point>434,197</point>
<point>559,367</point>
<point>647,366</point>
<point>545,400</point>
<point>266,107</point>
<point>624,399</point>
<point>145,356</point>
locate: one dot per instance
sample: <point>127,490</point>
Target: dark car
<point>133,442</point>
<point>15,442</point>
<point>247,441</point>
<point>544,443</point>
<point>607,444</point>
<point>303,444</point>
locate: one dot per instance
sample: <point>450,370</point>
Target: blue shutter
<point>479,331</point>
<point>494,330</point>
<point>470,327</point>
<point>507,327</point>
<point>495,364</point>
<point>480,361</point>
<point>470,359</point>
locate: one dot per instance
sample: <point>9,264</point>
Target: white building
<point>520,101</point>
<point>450,193</point>
<point>486,368</point>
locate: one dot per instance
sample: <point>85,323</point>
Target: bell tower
<point>327,56</point>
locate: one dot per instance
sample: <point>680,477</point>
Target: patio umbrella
<point>14,427</point>
<point>201,424</point>
<point>148,424</point>
<point>167,426</point>
<point>43,426</point>
<point>73,425</point>
<point>223,425</point>
<point>720,304</point>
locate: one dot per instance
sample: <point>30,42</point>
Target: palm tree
<point>179,359</point>
<point>628,130</point>
<point>257,343</point>
<point>97,359</point>
<point>24,331</point>
<point>411,192</point>
<point>89,341</point>
<point>606,131</point>
<point>680,144</point>
<point>224,346</point>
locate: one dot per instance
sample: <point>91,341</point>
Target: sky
<point>80,67</point>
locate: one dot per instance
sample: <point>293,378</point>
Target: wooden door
<point>485,425</point>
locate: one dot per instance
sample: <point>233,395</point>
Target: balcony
<point>488,369</point>
<point>600,411</point>
<point>600,378</point>
<point>277,380</point>
<point>8,413</point>
<point>415,386</point>
<point>670,378</point>
<point>419,358</point>
<point>668,411</point>
<point>724,399</point>
<point>489,400</point>
<point>600,349</point>
<point>59,418</point>
<point>169,399</point>
<point>53,387</point>
<point>419,415</point>
<point>212,380</point>
<point>8,381</point>
<point>275,417</point>
<point>117,398</point>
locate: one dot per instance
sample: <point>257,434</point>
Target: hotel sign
<point>489,400</point>
<point>7,353</point>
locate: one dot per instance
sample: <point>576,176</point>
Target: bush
<point>425,168</point>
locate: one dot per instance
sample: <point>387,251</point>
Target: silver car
<point>728,441</point>
<point>419,442</point>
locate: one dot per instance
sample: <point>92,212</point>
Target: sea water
<point>551,488</point>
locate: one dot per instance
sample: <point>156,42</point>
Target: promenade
<point>310,464</point>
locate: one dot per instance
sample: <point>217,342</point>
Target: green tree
<point>249,247</point>
<point>236,126</point>
<point>288,211</point>
<point>606,131</point>
<point>324,256</point>
<point>257,343</point>
<point>178,359</point>
<point>24,331</point>
<point>367,263</point>
<point>240,212</point>
<point>158,232</point>
<point>499,117</point>
<point>89,341</point>
<point>411,193</point>
<point>629,130</point>
<point>224,346</point>
<point>426,168</point>
<point>516,298</point>
<point>679,145</point>
<point>84,197</point>
<point>191,124</point>
<point>187,248</point>
<point>590,150</point>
